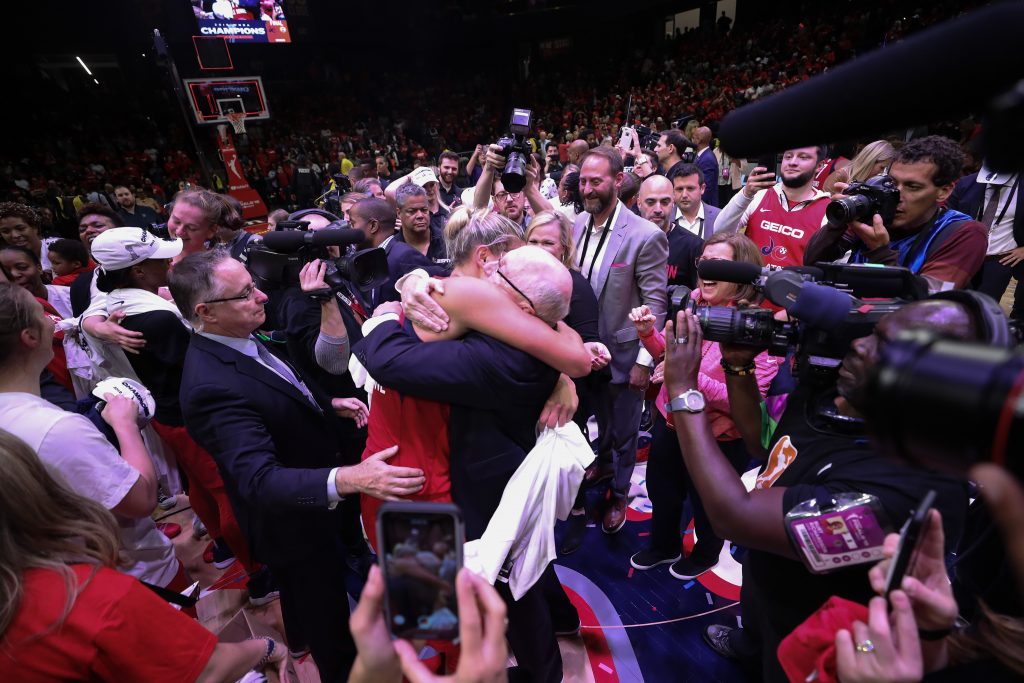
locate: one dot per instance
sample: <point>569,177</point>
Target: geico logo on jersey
<point>782,229</point>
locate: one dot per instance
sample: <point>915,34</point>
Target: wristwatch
<point>691,401</point>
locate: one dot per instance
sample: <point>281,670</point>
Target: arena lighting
<point>83,65</point>
<point>95,81</point>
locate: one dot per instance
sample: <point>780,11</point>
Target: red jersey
<point>58,365</point>
<point>420,428</point>
<point>781,235</point>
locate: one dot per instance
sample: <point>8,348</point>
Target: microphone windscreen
<point>821,306</point>
<point>884,90</point>
<point>721,270</point>
<point>336,237</point>
<point>285,241</point>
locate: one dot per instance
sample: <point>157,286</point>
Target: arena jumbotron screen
<point>253,21</point>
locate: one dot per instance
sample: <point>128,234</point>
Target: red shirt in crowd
<point>117,630</point>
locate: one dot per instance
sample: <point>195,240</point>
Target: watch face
<point>694,400</point>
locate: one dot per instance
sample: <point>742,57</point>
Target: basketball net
<point>237,122</point>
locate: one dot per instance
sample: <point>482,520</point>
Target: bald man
<point>657,205</point>
<point>577,148</point>
<point>707,162</point>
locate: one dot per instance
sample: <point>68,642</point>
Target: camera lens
<point>847,209</point>
<point>514,175</point>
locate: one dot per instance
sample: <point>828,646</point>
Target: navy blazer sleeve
<point>475,371</point>
<point>967,196</point>
<point>224,423</point>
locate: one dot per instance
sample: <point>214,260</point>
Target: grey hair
<point>483,229</point>
<point>407,192</point>
<point>537,274</point>
<point>192,282</point>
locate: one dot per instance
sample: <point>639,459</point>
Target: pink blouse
<point>711,383</point>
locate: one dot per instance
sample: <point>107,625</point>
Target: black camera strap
<point>600,243</point>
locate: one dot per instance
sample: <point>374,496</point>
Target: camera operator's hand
<point>927,583</point>
<point>600,356</point>
<point>682,353</point>
<point>643,320</point>
<point>482,626</point>
<point>533,174</point>
<point>351,408</point>
<point>560,406</point>
<point>311,277</point>
<point>895,649</point>
<point>375,477</point>
<point>376,659</point>
<point>420,307</point>
<point>760,178</point>
<point>495,160</point>
<point>874,236</point>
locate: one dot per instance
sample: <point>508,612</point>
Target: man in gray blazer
<point>623,256</point>
<point>694,214</point>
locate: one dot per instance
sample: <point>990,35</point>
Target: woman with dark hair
<point>668,483</point>
<point>66,614</point>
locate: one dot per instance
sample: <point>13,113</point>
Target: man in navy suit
<point>276,444</point>
<point>695,214</point>
<point>707,162</point>
<point>496,394</point>
<point>992,199</point>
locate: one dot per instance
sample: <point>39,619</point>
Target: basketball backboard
<point>212,99</point>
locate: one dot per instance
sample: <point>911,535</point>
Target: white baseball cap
<point>423,175</point>
<point>130,389</point>
<point>120,248</point>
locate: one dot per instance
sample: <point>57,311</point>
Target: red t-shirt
<point>118,630</point>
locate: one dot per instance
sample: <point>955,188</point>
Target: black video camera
<point>863,200</point>
<point>948,404</point>
<point>648,138</point>
<point>331,200</point>
<point>825,315</point>
<point>516,150</point>
<point>275,262</point>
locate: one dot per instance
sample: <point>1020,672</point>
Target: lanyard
<point>1006,206</point>
<point>600,244</point>
<point>356,307</point>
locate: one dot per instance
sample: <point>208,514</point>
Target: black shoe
<point>575,530</point>
<point>262,588</point>
<point>686,569</point>
<point>717,637</point>
<point>649,557</point>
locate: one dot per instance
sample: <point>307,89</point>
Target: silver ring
<point>865,646</point>
<point>680,340</point>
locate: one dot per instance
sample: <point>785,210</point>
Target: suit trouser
<point>993,278</point>
<point>668,485</point>
<point>314,603</point>
<point>531,632</point>
<point>618,408</point>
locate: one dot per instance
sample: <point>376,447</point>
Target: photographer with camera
<point>817,454</point>
<point>780,216</point>
<point>903,223</point>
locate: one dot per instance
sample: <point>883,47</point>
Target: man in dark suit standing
<point>707,162</point>
<point>694,214</point>
<point>496,394</point>
<point>624,258</point>
<point>275,442</point>
<point>992,199</point>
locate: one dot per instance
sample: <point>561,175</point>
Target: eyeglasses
<point>502,196</point>
<point>246,294</point>
<point>517,290</point>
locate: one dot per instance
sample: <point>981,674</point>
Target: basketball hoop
<point>237,122</point>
